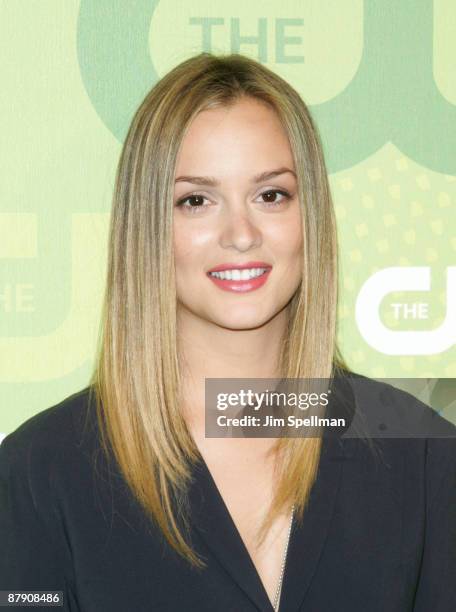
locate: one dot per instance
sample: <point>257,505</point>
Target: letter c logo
<point>393,342</point>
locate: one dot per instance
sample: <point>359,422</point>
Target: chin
<point>239,326</point>
<point>241,322</point>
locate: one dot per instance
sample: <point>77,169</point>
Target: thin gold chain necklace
<point>279,586</point>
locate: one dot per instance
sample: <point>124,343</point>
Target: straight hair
<point>136,378</point>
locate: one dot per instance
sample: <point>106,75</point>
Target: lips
<point>237,266</point>
<point>242,285</point>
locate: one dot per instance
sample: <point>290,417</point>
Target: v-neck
<point>214,523</point>
<point>216,528</point>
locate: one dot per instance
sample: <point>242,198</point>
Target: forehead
<point>248,131</point>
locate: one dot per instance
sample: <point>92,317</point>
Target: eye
<point>196,206</point>
<point>194,202</point>
<point>273,192</point>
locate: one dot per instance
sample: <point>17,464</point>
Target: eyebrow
<point>212,182</point>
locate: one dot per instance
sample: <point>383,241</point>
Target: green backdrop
<point>380,79</point>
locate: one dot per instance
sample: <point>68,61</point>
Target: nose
<point>239,228</point>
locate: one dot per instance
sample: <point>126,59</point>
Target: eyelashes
<point>194,209</point>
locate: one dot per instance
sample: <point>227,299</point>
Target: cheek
<point>287,239</point>
<point>182,248</point>
<point>191,245</point>
<point>295,235</point>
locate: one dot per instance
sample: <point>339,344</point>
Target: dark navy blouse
<point>379,534</point>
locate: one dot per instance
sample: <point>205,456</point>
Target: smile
<point>240,280</point>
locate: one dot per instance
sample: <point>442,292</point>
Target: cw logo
<point>392,97</point>
<point>391,342</point>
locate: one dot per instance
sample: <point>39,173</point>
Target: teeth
<point>239,274</point>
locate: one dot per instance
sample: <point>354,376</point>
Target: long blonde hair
<point>136,380</point>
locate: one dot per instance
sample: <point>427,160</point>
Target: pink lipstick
<point>234,276</point>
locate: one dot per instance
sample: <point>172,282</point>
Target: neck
<point>207,350</point>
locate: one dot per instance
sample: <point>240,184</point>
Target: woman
<point>115,496</point>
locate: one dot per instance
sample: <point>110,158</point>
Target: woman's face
<point>226,215</point>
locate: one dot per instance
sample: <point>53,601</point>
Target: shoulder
<point>55,426</point>
<point>389,411</point>
<point>42,445</point>
<point>405,429</point>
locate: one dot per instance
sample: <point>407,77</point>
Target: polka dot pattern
<point>391,211</point>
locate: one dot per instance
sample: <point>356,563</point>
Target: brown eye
<point>195,202</point>
<point>271,195</point>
